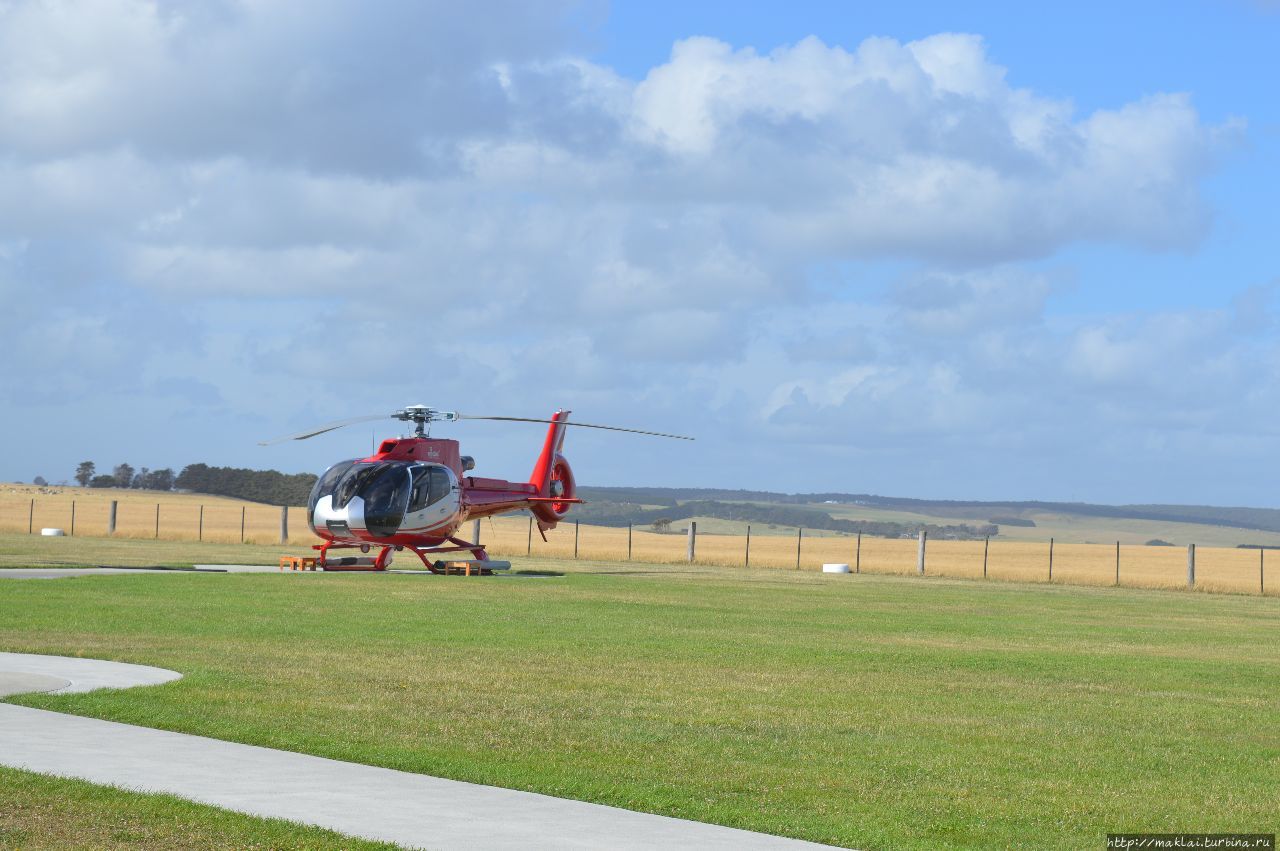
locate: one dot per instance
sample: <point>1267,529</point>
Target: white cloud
<point>334,209</point>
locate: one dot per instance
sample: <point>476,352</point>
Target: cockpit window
<point>430,485</point>
<point>326,483</point>
<point>386,497</point>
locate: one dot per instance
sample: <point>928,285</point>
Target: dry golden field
<point>180,515</point>
<point>1217,568</point>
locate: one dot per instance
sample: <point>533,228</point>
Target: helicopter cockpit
<point>391,495</point>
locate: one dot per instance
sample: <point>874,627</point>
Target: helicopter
<point>414,493</point>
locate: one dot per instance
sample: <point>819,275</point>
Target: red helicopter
<point>413,493</point>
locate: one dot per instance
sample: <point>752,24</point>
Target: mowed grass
<point>39,812</point>
<point>868,711</point>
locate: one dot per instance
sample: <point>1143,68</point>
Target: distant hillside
<point>1265,519</point>
<point>606,513</point>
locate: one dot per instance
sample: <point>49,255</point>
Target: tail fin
<point>541,477</point>
<point>552,476</point>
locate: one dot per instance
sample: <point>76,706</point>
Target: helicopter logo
<point>414,492</point>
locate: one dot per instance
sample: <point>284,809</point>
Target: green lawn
<point>40,812</point>
<point>870,711</point>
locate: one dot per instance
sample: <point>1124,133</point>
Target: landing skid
<point>478,565</point>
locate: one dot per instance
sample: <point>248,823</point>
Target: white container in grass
<point>835,568</point>
<point>52,533</point>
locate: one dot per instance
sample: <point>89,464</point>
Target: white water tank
<point>52,533</point>
<point>835,568</point>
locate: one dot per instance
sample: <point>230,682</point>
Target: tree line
<point>269,486</point>
<point>125,476</point>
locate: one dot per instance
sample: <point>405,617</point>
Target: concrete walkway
<point>377,803</point>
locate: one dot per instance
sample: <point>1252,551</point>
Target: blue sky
<point>948,250</point>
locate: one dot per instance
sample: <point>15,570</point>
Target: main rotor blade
<point>572,423</point>
<point>303,435</point>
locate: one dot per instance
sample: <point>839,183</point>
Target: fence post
<point>242,508</point>
<point>528,550</point>
<point>475,531</point>
<point>799,538</point>
<point>1191,565</point>
<point>747,561</point>
<point>1117,562</point>
<point>200,529</point>
<point>31,514</point>
<point>857,555</point>
<point>157,521</point>
<point>284,523</point>
<point>986,548</point>
<point>575,539</point>
<point>1051,559</point>
<point>111,519</point>
<point>628,542</point>
<point>73,517</point>
<point>920,552</point>
<point>693,539</point>
<point>1262,582</point>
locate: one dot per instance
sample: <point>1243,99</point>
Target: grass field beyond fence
<point>188,517</point>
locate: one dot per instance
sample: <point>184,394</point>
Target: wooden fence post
<point>693,539</point>
<point>1051,559</point>
<point>157,521</point>
<point>1191,565</point>
<point>628,542</point>
<point>200,529</point>
<point>475,531</point>
<point>1117,562</point>
<point>73,517</point>
<point>924,535</point>
<point>575,539</point>
<point>986,548</point>
<point>31,515</point>
<point>857,555</point>
<point>799,538</point>
<point>746,562</point>
<point>1262,582</point>
<point>284,524</point>
<point>528,550</point>
<point>111,519</point>
<point>242,508</point>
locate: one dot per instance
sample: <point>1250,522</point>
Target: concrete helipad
<point>361,800</point>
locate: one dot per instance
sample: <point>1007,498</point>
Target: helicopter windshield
<point>326,483</point>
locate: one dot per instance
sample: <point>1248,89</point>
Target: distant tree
<point>85,473</point>
<point>102,482</point>
<point>140,480</point>
<point>662,524</point>
<point>159,480</point>
<point>1156,542</point>
<point>123,474</point>
<point>39,481</point>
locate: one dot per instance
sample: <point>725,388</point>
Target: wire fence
<point>173,518</point>
<point>1215,568</point>
<point>192,517</point>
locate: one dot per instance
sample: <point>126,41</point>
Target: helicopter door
<point>386,498</point>
<point>432,484</point>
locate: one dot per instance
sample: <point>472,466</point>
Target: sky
<point>963,251</point>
